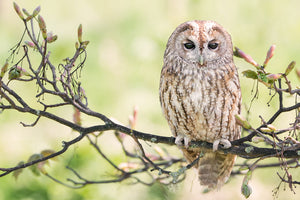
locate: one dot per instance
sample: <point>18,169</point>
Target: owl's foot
<point>181,140</point>
<point>226,144</point>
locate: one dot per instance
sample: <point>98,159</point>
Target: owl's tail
<point>214,168</point>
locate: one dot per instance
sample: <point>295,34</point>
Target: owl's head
<point>205,43</point>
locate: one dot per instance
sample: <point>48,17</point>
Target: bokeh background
<point>127,41</point>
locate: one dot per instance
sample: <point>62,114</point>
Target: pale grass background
<point>123,68</point>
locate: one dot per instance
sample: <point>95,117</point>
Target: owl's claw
<point>226,144</point>
<point>181,140</point>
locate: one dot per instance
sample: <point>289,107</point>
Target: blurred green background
<point>127,41</point>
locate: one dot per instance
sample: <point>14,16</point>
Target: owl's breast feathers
<point>201,102</point>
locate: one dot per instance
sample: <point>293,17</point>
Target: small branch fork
<point>62,81</point>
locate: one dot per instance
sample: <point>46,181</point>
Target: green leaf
<point>18,171</point>
<point>243,168</point>
<point>250,74</point>
<point>262,76</point>
<point>48,152</point>
<point>34,168</point>
<point>246,190</point>
<point>14,73</point>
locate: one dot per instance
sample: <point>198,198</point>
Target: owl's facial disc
<point>202,43</point>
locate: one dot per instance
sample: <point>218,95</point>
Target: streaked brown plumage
<point>200,94</point>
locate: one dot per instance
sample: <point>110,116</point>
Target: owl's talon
<point>226,144</point>
<point>181,140</point>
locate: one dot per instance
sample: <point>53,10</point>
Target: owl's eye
<point>189,45</point>
<point>213,45</point>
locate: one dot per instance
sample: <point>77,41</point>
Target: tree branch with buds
<point>62,82</point>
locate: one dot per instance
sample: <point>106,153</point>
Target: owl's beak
<point>201,59</point>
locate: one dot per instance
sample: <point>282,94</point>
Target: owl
<point>200,96</point>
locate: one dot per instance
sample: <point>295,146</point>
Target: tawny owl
<point>200,95</point>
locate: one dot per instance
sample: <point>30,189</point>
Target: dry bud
<point>18,11</point>
<point>257,139</point>
<point>269,54</point>
<point>85,43</point>
<point>290,67</point>
<point>25,12</point>
<point>36,11</point>
<point>77,117</point>
<point>133,118</point>
<point>79,31</point>
<point>127,166</point>
<point>22,71</point>
<point>298,72</point>
<point>4,69</point>
<point>266,130</point>
<point>152,156</point>
<point>51,38</point>
<point>42,26</point>
<point>82,92</point>
<point>274,76</point>
<point>239,53</point>
<point>76,45</point>
<point>160,151</point>
<point>30,44</point>
<point>242,121</point>
<point>29,18</point>
<point>272,127</point>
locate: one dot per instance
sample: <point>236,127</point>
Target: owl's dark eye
<point>189,45</point>
<point>213,45</point>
